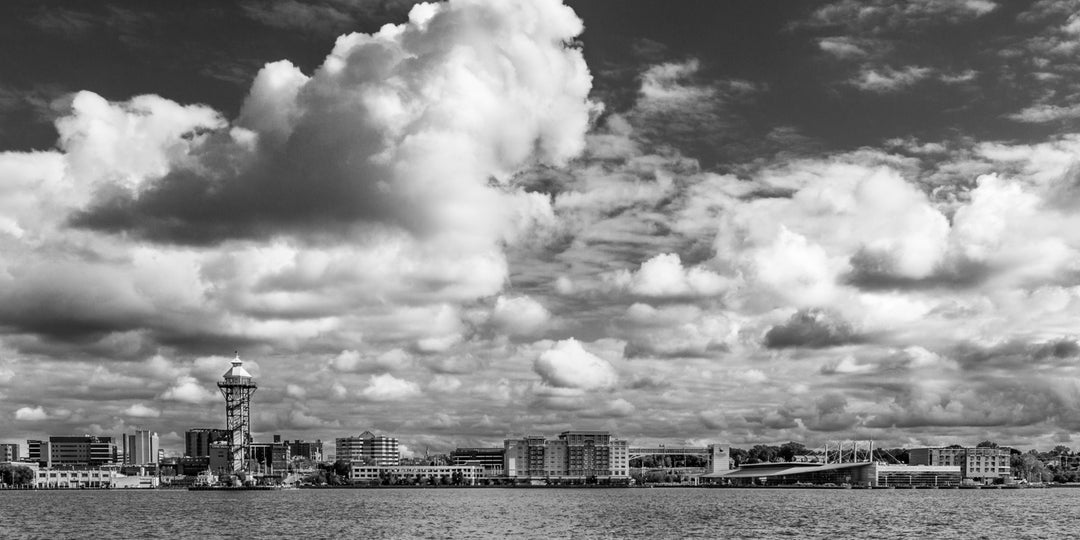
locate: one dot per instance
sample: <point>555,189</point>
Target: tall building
<point>236,387</point>
<point>85,451</point>
<point>978,464</point>
<point>197,441</point>
<point>141,448</point>
<point>367,447</point>
<point>575,454</point>
<point>9,452</point>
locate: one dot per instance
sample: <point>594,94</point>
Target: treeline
<point>16,475</point>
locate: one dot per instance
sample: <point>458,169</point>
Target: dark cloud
<point>812,328</point>
<point>872,271</point>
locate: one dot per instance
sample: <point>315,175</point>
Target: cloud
<point>187,389</point>
<point>519,316</point>
<point>31,414</point>
<point>367,142</point>
<point>814,328</point>
<point>386,387</point>
<point>663,276</point>
<point>887,79</point>
<point>568,365</point>
<point>139,410</point>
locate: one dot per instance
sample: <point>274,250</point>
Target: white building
<point>374,449</point>
<point>463,474</point>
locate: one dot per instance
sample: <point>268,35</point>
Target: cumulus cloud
<point>813,328</point>
<point>665,276</point>
<point>566,364</point>
<point>188,389</point>
<point>519,316</point>
<point>31,414</point>
<point>139,410</point>
<point>386,387</point>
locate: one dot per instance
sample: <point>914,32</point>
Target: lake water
<point>542,513</point>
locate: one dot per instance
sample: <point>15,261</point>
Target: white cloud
<point>386,387</point>
<point>888,79</point>
<point>664,276</point>
<point>519,316</point>
<point>139,410</point>
<point>568,365</point>
<point>187,389</point>
<point>31,414</point>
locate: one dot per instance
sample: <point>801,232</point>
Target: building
<point>416,474</point>
<point>9,452</point>
<point>237,386</point>
<point>141,448</point>
<point>489,459</point>
<point>197,441</point>
<point>90,478</point>
<point>85,451</point>
<point>269,458</point>
<point>978,464</point>
<point>305,450</point>
<point>575,454</point>
<point>865,473</point>
<point>368,448</point>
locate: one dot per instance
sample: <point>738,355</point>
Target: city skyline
<point>738,222</point>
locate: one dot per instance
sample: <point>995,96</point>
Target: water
<point>541,513</point>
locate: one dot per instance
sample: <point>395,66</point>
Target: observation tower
<point>237,387</point>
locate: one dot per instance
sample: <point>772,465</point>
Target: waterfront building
<point>85,451</point>
<point>269,458</point>
<point>369,448</point>
<point>237,386</point>
<point>45,478</point>
<point>184,466</point>
<point>9,452</point>
<point>197,441</point>
<point>978,464</point>
<point>575,454</point>
<point>415,474</point>
<point>140,448</point>
<point>305,450</point>
<point>489,459</point>
<point>864,473</point>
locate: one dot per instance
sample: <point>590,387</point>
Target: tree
<point>789,450</point>
<point>16,475</point>
<point>342,467</point>
<point>1061,450</point>
<point>987,444</point>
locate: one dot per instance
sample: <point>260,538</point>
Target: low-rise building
<point>489,459</point>
<point>977,464</point>
<point>416,474</point>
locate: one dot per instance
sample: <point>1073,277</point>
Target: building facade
<point>9,452</point>
<point>368,448</point>
<point>197,441</point>
<point>980,465</point>
<point>575,454</point>
<point>305,450</point>
<point>141,448</point>
<point>489,459</point>
<point>85,451</point>
<point>416,474</point>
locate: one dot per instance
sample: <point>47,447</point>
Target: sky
<point>747,222</point>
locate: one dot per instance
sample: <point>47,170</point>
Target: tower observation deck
<point>237,386</point>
